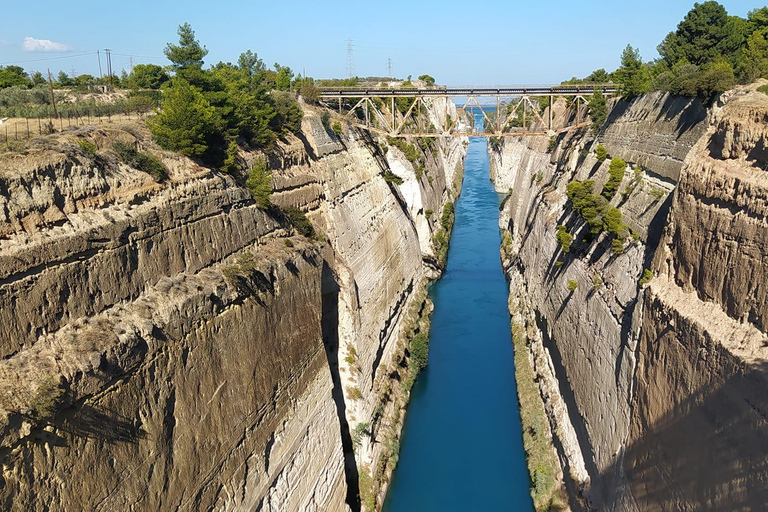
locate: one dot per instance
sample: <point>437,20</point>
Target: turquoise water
<point>462,443</point>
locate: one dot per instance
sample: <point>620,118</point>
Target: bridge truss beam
<point>509,120</point>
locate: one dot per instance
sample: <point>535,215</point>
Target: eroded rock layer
<point>173,346</point>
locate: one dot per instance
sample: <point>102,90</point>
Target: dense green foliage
<point>13,76</point>
<point>633,75</point>
<point>428,80</point>
<point>147,76</point>
<point>188,54</point>
<point>46,400</point>
<point>597,111</point>
<point>597,212</point>
<point>646,277</point>
<point>141,161</point>
<point>187,122</point>
<point>88,147</point>
<point>205,110</point>
<point>391,177</point>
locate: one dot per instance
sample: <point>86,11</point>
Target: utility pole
<point>350,65</point>
<point>109,65</point>
<point>98,55</point>
<point>131,63</point>
<point>53,98</point>
<point>389,67</point>
<point>74,75</point>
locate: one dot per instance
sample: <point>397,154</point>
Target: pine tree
<point>188,53</point>
<point>185,122</point>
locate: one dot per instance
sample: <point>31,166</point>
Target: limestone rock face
<point>655,131</point>
<point>698,431</point>
<point>173,347</point>
<point>663,383</point>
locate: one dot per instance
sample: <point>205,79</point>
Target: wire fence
<point>25,128</point>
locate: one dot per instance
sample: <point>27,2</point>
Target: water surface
<point>462,444</point>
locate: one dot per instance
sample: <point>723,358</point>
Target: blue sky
<point>480,42</point>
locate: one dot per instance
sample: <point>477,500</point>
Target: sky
<point>478,42</point>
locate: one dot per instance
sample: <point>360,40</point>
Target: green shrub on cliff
<point>419,351</point>
<point>299,221</point>
<point>615,176</point>
<point>572,285</point>
<point>601,153</point>
<point>564,238</point>
<point>391,177</point>
<point>259,184</point>
<point>46,400</point>
<point>646,277</point>
<point>446,219</point>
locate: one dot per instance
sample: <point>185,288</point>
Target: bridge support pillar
<point>549,127</point>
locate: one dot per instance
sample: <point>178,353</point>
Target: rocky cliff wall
<point>594,335</point>
<point>173,347</point>
<point>698,433</point>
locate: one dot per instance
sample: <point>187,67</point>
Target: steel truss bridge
<point>516,115</point>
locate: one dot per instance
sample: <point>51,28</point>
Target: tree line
<point>708,53</point>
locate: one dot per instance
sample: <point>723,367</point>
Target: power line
<point>48,58</point>
<point>137,56</point>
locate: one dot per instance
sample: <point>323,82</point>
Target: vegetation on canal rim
<point>708,53</point>
<point>546,490</point>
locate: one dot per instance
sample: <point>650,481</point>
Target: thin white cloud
<point>44,45</point>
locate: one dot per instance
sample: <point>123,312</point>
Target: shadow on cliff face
<point>330,326</point>
<point>690,111</point>
<point>101,423</point>
<point>707,453</point>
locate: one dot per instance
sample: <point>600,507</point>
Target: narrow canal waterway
<point>462,446</point>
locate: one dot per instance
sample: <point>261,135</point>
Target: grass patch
<point>546,491</point>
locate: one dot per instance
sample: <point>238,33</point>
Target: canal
<point>462,447</point>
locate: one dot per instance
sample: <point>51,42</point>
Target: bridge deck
<point>446,92</point>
